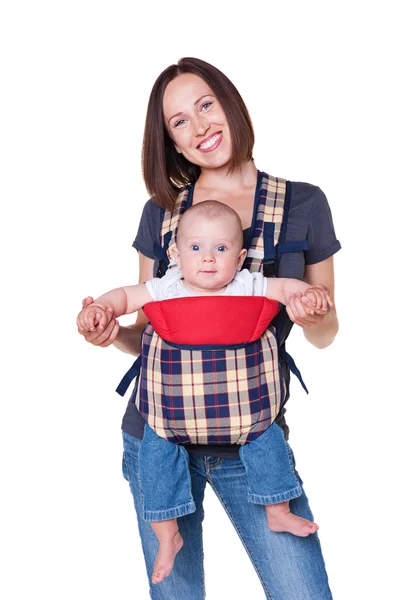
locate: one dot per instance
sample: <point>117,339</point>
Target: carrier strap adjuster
<point>127,379</point>
<point>270,266</point>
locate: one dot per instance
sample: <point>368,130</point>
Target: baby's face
<point>209,252</point>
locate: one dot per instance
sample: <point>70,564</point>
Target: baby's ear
<point>174,254</point>
<point>241,258</point>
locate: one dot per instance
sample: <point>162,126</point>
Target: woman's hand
<point>317,300</point>
<point>300,309</point>
<point>101,338</point>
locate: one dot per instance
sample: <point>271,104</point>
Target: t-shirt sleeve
<point>321,233</point>
<point>149,228</point>
<point>155,288</point>
<point>246,283</point>
<point>160,288</point>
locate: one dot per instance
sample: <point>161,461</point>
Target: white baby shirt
<point>171,285</point>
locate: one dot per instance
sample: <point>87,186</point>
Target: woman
<point>198,131</point>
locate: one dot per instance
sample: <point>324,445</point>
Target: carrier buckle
<point>270,266</point>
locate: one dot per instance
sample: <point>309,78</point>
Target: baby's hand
<point>94,318</point>
<point>317,300</point>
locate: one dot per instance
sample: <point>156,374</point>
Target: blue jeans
<point>289,567</point>
<point>165,474</point>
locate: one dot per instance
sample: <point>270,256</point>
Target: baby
<point>209,255</point>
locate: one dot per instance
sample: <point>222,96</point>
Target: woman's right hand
<point>100,338</point>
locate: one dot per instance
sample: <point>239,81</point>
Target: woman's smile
<point>211,142</point>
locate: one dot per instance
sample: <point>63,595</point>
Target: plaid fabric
<point>171,221</point>
<point>270,210</point>
<point>209,396</point>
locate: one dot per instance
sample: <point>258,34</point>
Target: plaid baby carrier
<point>220,394</point>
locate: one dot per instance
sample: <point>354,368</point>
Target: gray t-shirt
<point>309,219</point>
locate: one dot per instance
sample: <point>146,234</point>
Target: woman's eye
<point>206,105</point>
<point>195,247</point>
<point>179,123</point>
<point>222,248</point>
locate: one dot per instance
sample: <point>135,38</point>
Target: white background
<point>319,81</point>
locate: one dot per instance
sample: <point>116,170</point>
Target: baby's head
<point>209,246</point>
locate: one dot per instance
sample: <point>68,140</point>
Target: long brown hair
<point>165,171</point>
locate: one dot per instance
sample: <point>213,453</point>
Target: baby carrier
<point>196,384</point>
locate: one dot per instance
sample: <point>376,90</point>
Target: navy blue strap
<point>162,255</point>
<point>287,203</point>
<point>293,368</point>
<point>127,379</point>
<point>268,243</point>
<point>291,247</point>
<point>161,251</point>
<point>269,258</point>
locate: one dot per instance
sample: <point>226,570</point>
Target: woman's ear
<point>241,258</point>
<point>177,149</point>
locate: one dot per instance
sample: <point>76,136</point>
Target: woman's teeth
<point>210,142</point>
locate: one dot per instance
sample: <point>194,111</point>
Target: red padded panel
<point>211,320</point>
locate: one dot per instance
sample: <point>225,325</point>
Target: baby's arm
<point>280,288</point>
<point>124,300</point>
<point>117,302</point>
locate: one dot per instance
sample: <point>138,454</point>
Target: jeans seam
<point>242,539</point>
<point>275,498</point>
<point>181,510</point>
<point>139,483</point>
<point>202,539</point>
<point>215,464</point>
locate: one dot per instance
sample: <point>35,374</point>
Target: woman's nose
<point>200,125</point>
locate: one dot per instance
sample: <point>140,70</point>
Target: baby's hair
<point>211,209</point>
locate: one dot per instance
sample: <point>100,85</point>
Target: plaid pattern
<point>209,396</point>
<point>171,221</point>
<point>270,210</point>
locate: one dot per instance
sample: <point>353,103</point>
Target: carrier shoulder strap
<point>164,251</point>
<point>282,322</point>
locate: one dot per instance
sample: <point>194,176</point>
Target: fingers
<point>112,336</point>
<point>323,290</point>
<point>97,326</point>
<point>318,298</point>
<point>300,314</point>
<point>87,301</point>
<point>93,318</point>
<point>308,310</point>
<point>86,320</point>
<point>102,319</point>
<point>106,337</point>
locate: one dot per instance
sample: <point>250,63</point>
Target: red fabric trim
<point>211,320</point>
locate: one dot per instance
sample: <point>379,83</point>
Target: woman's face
<point>196,122</point>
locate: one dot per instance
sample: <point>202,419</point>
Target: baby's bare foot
<point>166,557</point>
<point>280,518</point>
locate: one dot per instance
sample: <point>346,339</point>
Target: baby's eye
<point>222,248</point>
<point>195,247</point>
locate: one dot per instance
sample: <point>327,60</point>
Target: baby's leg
<point>166,489</point>
<point>272,481</point>
<point>280,518</point>
<point>170,542</point>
